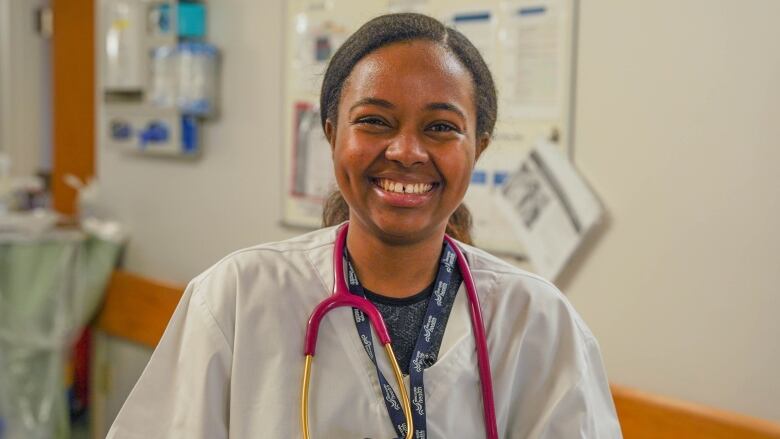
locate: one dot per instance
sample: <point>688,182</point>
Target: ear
<point>330,134</point>
<point>482,143</point>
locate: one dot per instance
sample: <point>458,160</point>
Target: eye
<point>371,120</point>
<point>443,127</point>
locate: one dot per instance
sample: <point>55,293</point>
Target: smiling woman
<point>406,119</point>
<point>490,351</point>
<point>448,55</point>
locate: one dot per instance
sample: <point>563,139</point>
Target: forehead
<point>413,73</point>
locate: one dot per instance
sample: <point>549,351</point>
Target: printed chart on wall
<point>529,47</point>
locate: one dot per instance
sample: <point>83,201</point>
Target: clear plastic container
<point>197,78</point>
<point>185,76</point>
<point>165,77</point>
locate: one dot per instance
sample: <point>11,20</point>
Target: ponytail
<point>459,225</point>
<point>336,211</point>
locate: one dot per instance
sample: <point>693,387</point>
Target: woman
<point>407,107</point>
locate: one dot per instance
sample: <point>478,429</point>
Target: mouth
<point>398,187</point>
<point>404,194</point>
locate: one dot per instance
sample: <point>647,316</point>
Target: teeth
<point>411,188</point>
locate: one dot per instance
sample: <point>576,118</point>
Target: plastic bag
<point>50,285</point>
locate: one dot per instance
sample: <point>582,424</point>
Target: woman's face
<point>405,143</point>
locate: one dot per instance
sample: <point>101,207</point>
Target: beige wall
<point>25,88</point>
<point>678,128</point>
<point>185,215</point>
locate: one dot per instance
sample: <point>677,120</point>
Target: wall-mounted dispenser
<point>124,47</point>
<point>158,76</point>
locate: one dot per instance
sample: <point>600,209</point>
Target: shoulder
<point>542,350</point>
<point>251,278</point>
<point>516,292</point>
<point>535,327</point>
<point>267,257</point>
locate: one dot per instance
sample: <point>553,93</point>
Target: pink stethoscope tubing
<point>342,297</point>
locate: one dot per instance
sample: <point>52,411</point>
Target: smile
<point>403,188</point>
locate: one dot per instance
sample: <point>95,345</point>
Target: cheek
<point>458,167</point>
<point>350,159</point>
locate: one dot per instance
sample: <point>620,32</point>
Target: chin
<point>406,232</point>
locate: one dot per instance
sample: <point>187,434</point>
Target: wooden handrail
<point>138,309</point>
<point>647,416</point>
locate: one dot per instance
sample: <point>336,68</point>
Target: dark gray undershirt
<point>404,320</point>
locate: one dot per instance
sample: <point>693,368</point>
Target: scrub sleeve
<point>185,389</point>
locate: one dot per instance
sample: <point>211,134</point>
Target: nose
<point>407,149</point>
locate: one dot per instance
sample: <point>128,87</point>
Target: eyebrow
<point>445,106</point>
<point>387,104</point>
<point>372,101</point>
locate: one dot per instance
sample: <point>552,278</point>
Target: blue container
<point>189,135</point>
<point>191,20</point>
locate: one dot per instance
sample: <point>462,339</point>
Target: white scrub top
<point>231,360</point>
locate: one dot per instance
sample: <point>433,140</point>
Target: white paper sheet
<point>533,62</point>
<point>418,6</point>
<point>492,230</point>
<point>316,40</point>
<point>550,207</point>
<point>480,28</point>
<point>312,165</point>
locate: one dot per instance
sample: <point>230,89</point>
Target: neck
<point>393,269</point>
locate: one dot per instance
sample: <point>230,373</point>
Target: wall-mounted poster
<point>528,46</point>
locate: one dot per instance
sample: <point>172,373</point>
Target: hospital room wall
<point>676,129</point>
<point>25,88</point>
<point>185,215</point>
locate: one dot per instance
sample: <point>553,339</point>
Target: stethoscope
<point>342,297</point>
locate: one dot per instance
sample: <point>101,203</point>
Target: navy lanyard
<point>422,357</point>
